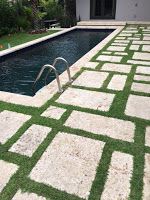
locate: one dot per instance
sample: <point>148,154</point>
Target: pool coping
<point>48,91</point>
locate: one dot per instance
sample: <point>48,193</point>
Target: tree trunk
<point>34,6</point>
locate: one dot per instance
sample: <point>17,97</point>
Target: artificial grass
<point>137,149</point>
<point>20,38</point>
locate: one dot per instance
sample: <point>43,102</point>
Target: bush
<point>67,22</point>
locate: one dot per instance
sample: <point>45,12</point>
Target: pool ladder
<point>52,68</point>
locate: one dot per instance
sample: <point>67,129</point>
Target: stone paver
<point>146,38</point>
<point>116,67</point>
<point>7,171</point>
<point>10,122</point>
<point>146,191</point>
<point>53,112</point>
<point>143,70</point>
<point>91,79</point>
<point>140,87</point>
<point>27,196</point>
<point>119,176</point>
<point>117,82</point>
<point>101,125</point>
<point>110,58</point>
<point>138,106</point>
<point>141,42</point>
<point>122,41</point>
<point>141,56</point>
<point>87,99</point>
<point>134,47</point>
<point>119,44</point>
<point>147,136</point>
<point>125,34</point>
<point>146,48</point>
<point>30,140</point>
<point>141,78</point>
<point>138,62</point>
<point>121,53</point>
<point>69,163</point>
<point>91,65</point>
<point>106,52</point>
<point>113,48</point>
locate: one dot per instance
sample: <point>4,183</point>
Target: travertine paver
<point>30,140</point>
<point>147,136</point>
<point>101,125</point>
<point>146,38</point>
<point>119,44</point>
<point>138,106</point>
<point>141,56</point>
<point>10,122</point>
<point>125,34</point>
<point>138,62</point>
<point>143,70</point>
<point>116,67</point>
<point>121,53</point>
<point>106,52</point>
<point>122,41</point>
<point>53,112</point>
<point>134,47</point>
<point>146,190</point>
<point>140,87</point>
<point>133,38</point>
<point>141,78</point>
<point>7,170</point>
<point>120,37</point>
<point>119,176</point>
<point>91,79</point>
<point>69,163</point>
<point>113,48</point>
<point>110,58</point>
<point>117,82</point>
<point>141,42</point>
<point>146,48</point>
<point>91,65</point>
<point>27,196</point>
<point>87,99</point>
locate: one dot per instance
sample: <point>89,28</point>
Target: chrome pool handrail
<point>67,66</point>
<point>50,69</point>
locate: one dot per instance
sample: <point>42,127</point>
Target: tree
<point>35,14</point>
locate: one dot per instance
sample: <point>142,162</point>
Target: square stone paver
<point>91,79</point>
<point>27,196</point>
<point>110,58</point>
<point>117,185</point>
<point>147,136</point>
<point>7,171</point>
<point>10,122</point>
<point>146,191</point>
<point>86,99</point>
<point>141,78</point>
<point>141,87</point>
<point>101,125</point>
<point>116,67</point>
<point>141,56</point>
<point>91,65</point>
<point>117,82</point>
<point>134,47</point>
<point>146,48</point>
<point>113,48</point>
<point>69,164</point>
<point>138,106</point>
<point>53,112</point>
<point>143,70</point>
<point>30,140</point>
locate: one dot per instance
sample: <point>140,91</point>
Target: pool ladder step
<point>52,68</point>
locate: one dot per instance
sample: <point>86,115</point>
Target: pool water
<point>18,71</point>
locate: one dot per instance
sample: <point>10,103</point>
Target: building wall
<point>83,9</point>
<point>132,10</point>
<point>126,10</point>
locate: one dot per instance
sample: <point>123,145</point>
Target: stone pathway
<point>90,142</point>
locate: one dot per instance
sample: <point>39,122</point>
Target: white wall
<point>132,10</point>
<point>83,9</point>
<point>126,10</point>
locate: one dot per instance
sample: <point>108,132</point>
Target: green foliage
<point>67,22</point>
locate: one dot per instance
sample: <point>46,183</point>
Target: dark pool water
<point>19,70</point>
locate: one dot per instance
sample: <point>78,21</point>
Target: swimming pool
<point>19,70</point>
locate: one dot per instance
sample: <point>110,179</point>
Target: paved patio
<point>90,142</point>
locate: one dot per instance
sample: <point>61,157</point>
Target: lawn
<point>20,38</point>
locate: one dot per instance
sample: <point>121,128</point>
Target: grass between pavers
<point>20,38</point>
<point>137,149</point>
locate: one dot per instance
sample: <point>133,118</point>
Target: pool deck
<point>93,140</point>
